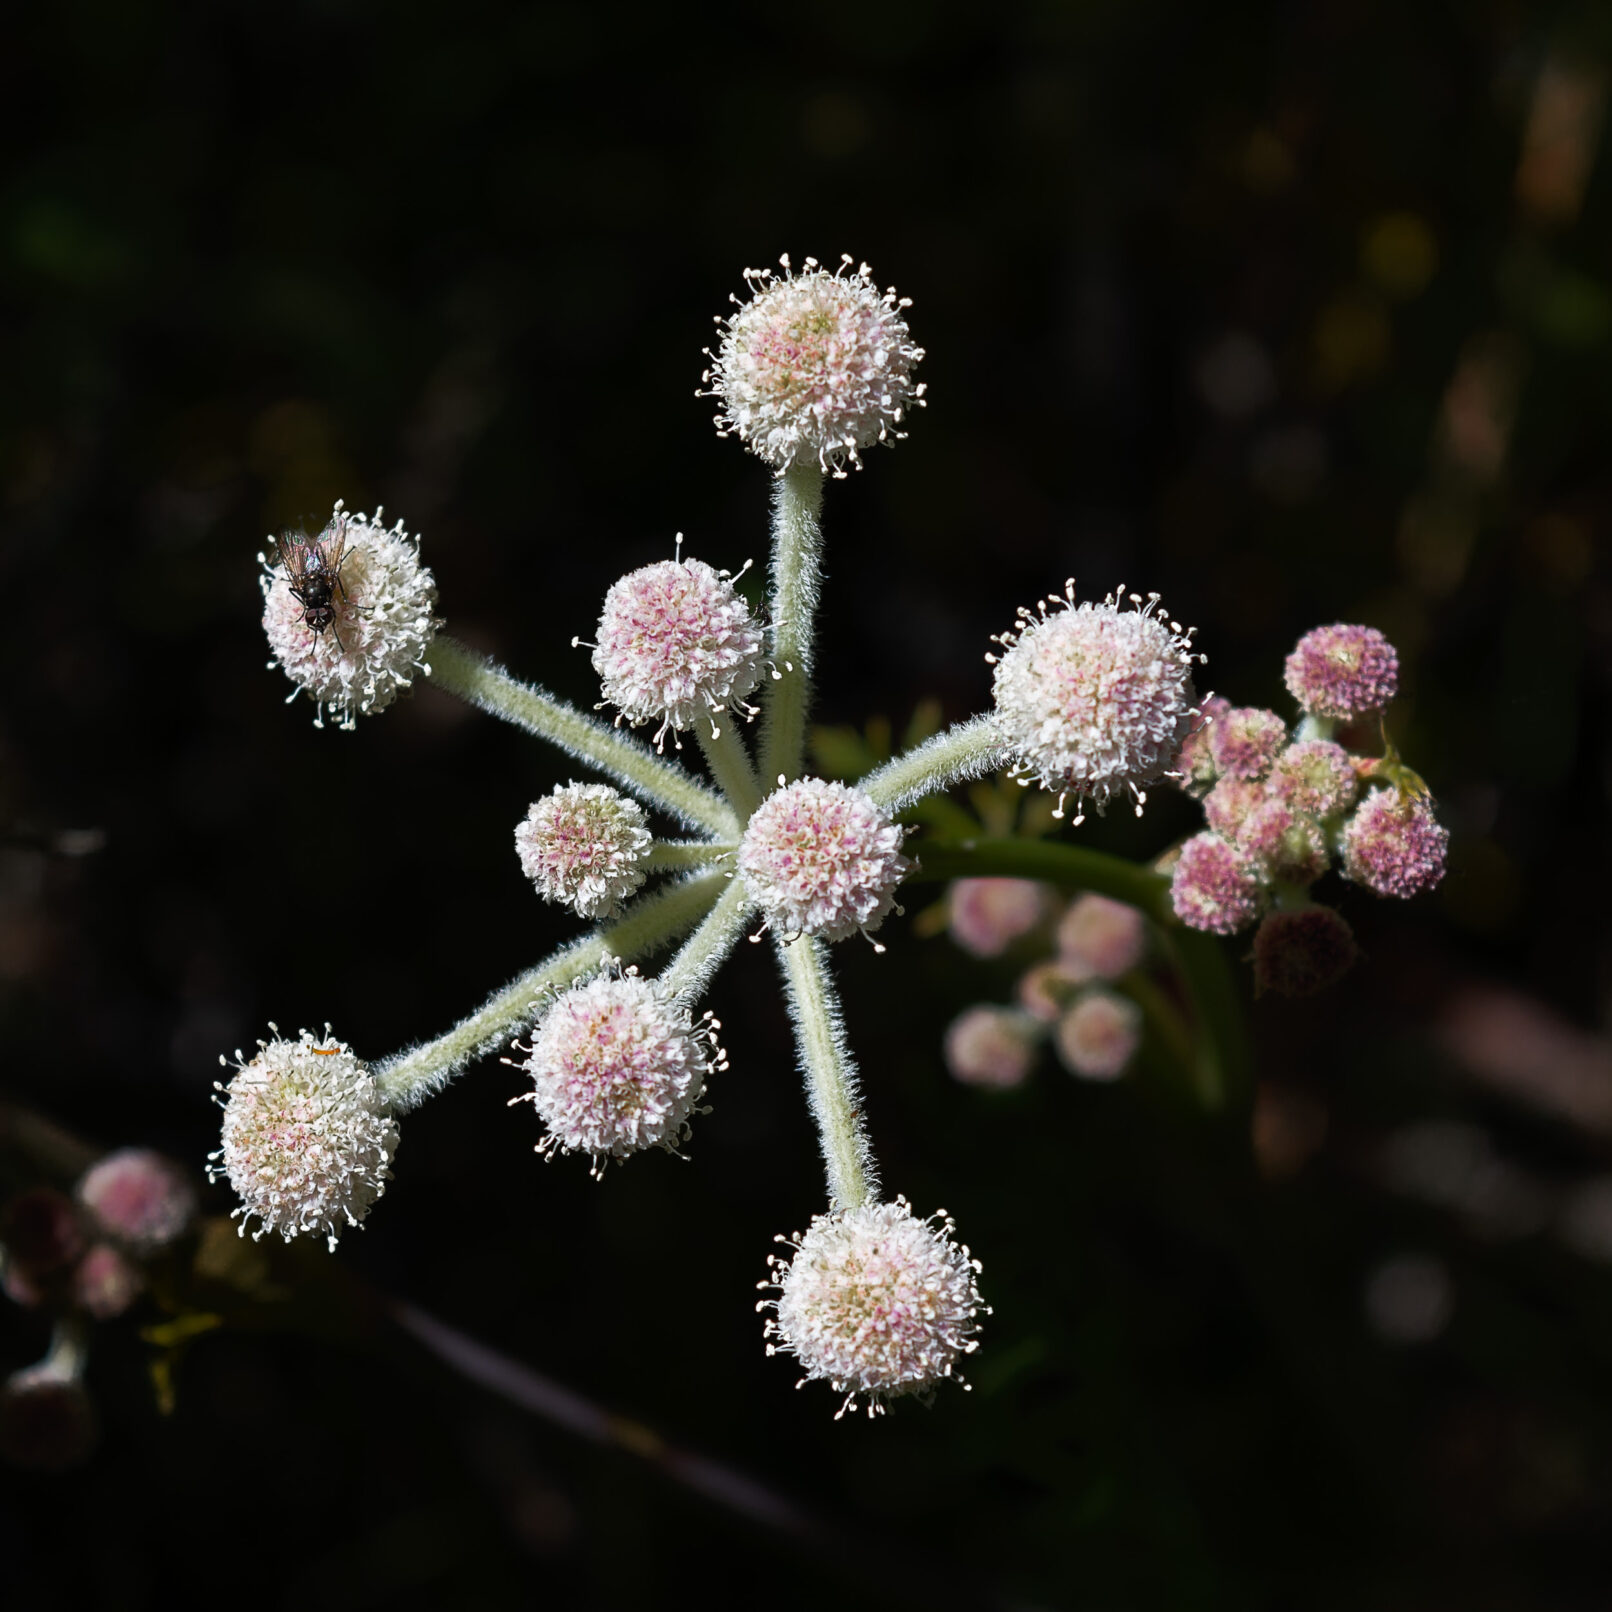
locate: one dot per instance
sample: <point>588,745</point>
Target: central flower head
<point>816,366</point>
<point>1095,699</point>
<point>676,642</point>
<point>821,858</point>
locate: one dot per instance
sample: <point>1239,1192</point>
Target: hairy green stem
<point>1220,1069</point>
<point>460,670</point>
<point>831,1083</point>
<point>797,550</point>
<point>730,764</point>
<point>666,854</point>
<point>689,973</point>
<point>966,750</point>
<point>409,1077</point>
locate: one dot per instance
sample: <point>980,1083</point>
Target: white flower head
<point>583,847</point>
<point>617,1066</point>
<point>815,366</point>
<point>677,643</point>
<point>875,1301</point>
<point>821,858</point>
<point>354,639</point>
<point>308,1137</point>
<point>1094,699</point>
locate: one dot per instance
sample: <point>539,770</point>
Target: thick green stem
<point>831,1083</point>
<point>967,750</point>
<point>797,549</point>
<point>730,764</point>
<point>1220,1068</point>
<point>665,854</point>
<point>460,670</point>
<point>689,973</point>
<point>408,1078</point>
<point>1073,866</point>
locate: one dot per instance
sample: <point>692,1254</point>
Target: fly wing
<point>293,554</point>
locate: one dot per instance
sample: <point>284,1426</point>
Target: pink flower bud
<point>1245,742</point>
<point>990,1046</point>
<point>1315,777</point>
<point>985,916</point>
<point>1302,951</point>
<point>815,367</point>
<point>1101,937</point>
<point>1229,802</point>
<point>1394,845</point>
<point>1215,887</point>
<point>1287,844</point>
<point>1095,700</point>
<point>138,1197</point>
<point>1194,765</point>
<point>1098,1036</point>
<point>1048,988</point>
<point>104,1283</point>
<point>876,1302</point>
<point>1343,672</point>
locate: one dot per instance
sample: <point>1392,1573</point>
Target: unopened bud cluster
<point>1284,807</point>
<point>1075,998</point>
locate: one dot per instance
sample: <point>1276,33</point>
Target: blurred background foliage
<point>1294,312</point>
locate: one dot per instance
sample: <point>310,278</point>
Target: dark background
<point>1281,310</point>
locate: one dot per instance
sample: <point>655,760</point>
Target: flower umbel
<point>821,859</point>
<point>816,366</point>
<point>582,846</point>
<point>1095,700</point>
<point>876,1302</point>
<point>384,604</point>
<point>308,1139</point>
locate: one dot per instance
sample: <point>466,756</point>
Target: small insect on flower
<point>313,569</point>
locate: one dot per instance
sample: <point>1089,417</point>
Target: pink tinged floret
<point>876,1303</point>
<point>1343,672</point>
<point>583,846</point>
<point>618,1066</point>
<point>1227,805</point>
<point>1302,951</point>
<point>1316,777</point>
<point>677,644</point>
<point>1194,765</point>
<point>815,366</point>
<point>1095,700</point>
<point>1288,844</point>
<point>308,1138</point>
<point>1245,741</point>
<point>138,1197</point>
<point>1045,990</point>
<point>990,1046</point>
<point>1394,845</point>
<point>1099,1034</point>
<point>1101,937</point>
<point>105,1282</point>
<point>1215,887</point>
<point>385,620</point>
<point>821,858</point>
<point>985,916</point>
